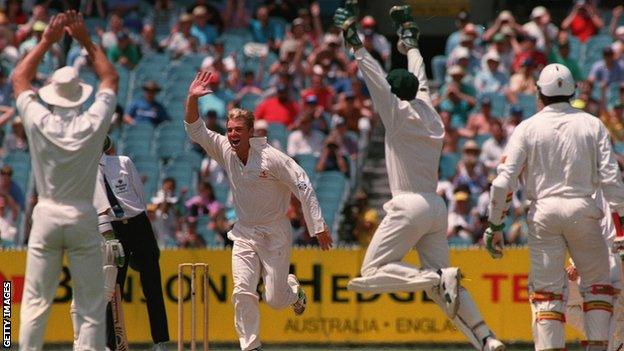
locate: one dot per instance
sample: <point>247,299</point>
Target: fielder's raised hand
<point>199,86</point>
<point>346,20</point>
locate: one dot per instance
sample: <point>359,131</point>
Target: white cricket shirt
<point>65,148</point>
<point>563,152</point>
<point>414,130</point>
<point>261,189</point>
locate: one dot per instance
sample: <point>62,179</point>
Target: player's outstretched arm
<point>198,88</point>
<point>109,79</point>
<point>25,71</point>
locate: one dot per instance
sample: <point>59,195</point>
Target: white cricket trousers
<point>412,221</point>
<point>58,227</point>
<point>259,251</point>
<point>557,225</point>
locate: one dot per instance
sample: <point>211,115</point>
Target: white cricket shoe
<point>300,305</point>
<point>492,344</point>
<point>161,346</point>
<point>449,289</point>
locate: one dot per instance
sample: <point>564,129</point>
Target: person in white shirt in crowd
<point>566,156</point>
<point>127,215</point>
<point>8,227</point>
<point>261,130</point>
<point>540,26</point>
<point>492,78</point>
<point>64,143</point>
<point>416,216</point>
<point>492,149</point>
<point>262,180</point>
<point>380,43</point>
<point>305,140</point>
<point>501,45</point>
<point>164,212</point>
<point>460,220</point>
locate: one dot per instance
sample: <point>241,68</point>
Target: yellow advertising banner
<point>438,8</point>
<point>334,314</point>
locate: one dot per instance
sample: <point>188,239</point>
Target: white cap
<point>619,31</point>
<point>461,52</point>
<point>492,55</point>
<point>455,69</point>
<point>538,11</point>
<point>556,80</point>
<point>505,15</point>
<point>261,124</point>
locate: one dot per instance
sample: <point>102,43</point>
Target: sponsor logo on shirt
<point>302,185</point>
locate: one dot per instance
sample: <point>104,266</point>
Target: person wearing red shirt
<point>323,93</point>
<point>528,50</point>
<point>278,109</point>
<point>583,21</point>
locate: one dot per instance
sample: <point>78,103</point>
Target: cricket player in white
<point>262,179</point>
<point>65,145</point>
<point>416,215</point>
<point>574,305</point>
<point>566,156</point>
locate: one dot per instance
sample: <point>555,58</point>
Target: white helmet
<point>556,80</point>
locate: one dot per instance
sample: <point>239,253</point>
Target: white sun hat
<point>65,89</point>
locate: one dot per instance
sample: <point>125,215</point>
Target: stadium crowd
<point>279,60</point>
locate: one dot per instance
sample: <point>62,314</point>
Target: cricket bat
<point>121,339</point>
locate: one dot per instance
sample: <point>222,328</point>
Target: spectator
<point>126,53</point>
<point>617,32</point>
<point>212,122</point>
<point>505,23</point>
<point>527,50</point>
<point>465,55</point>
<point>452,41</point>
<point>366,219</point>
<point>51,57</point>
<point>501,45</point>
<point>278,109</point>
<point>379,43</point>
<point>347,109</point>
<point>492,151</point>
<point>115,26</point>
<point>515,117</point>
<point>8,227</point>
<point>261,130</point>
<point>9,55</point>
<point>332,158</point>
<point>162,15</point>
<point>457,76</point>
<point>523,81</point>
<point>16,141</point>
<point>317,113</point>
<point>265,30</point>
<point>346,140</point>
<point>460,221</point>
<point>202,204</point>
<point>606,71</point>
<point>457,104</point>
<point>9,188</point>
<point>451,136</point>
<point>540,27</point>
<point>480,122</point>
<point>180,42</point>
<point>15,13</point>
<point>470,171</point>
<point>583,21</point>
<point>214,14</point>
<point>562,56</point>
<point>297,39</point>
<point>146,108</point>
<point>148,44</point>
<point>492,79</point>
<point>214,101</point>
<point>324,93</point>
<point>202,30</point>
<point>305,140</point>
<point>250,83</point>
<point>167,192</point>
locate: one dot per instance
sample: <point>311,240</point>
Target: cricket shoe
<point>492,344</point>
<point>300,305</point>
<point>161,346</point>
<point>449,289</point>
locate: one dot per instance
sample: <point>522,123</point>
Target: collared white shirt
<point>125,182</point>
<point>562,152</point>
<point>65,148</point>
<point>414,130</point>
<point>261,188</point>
<point>301,144</point>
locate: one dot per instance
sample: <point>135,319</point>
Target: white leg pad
<point>598,308</point>
<point>395,277</point>
<point>468,319</point>
<point>548,322</point>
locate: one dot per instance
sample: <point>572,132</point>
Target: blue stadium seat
<point>528,104</point>
<point>166,149</point>
<point>277,131</point>
<point>221,193</point>
<point>308,163</point>
<point>448,165</point>
<point>438,68</point>
<point>138,130</point>
<point>499,104</point>
<point>249,102</point>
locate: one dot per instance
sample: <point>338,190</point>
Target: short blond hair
<point>240,114</point>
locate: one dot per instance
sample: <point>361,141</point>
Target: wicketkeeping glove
<point>346,20</point>
<point>494,249</point>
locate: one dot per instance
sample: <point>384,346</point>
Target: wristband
<point>497,228</point>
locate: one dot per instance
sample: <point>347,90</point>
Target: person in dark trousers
<point>124,192</point>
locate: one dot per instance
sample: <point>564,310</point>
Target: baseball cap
<point>471,145</point>
<point>368,21</point>
<point>39,26</point>
<point>492,56</point>
<point>461,52</point>
<point>538,11</point>
<point>261,124</point>
<point>311,99</point>
<point>199,11</point>
<point>455,70</point>
<point>498,37</point>
<point>461,196</point>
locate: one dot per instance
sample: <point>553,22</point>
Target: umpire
<point>124,192</point>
